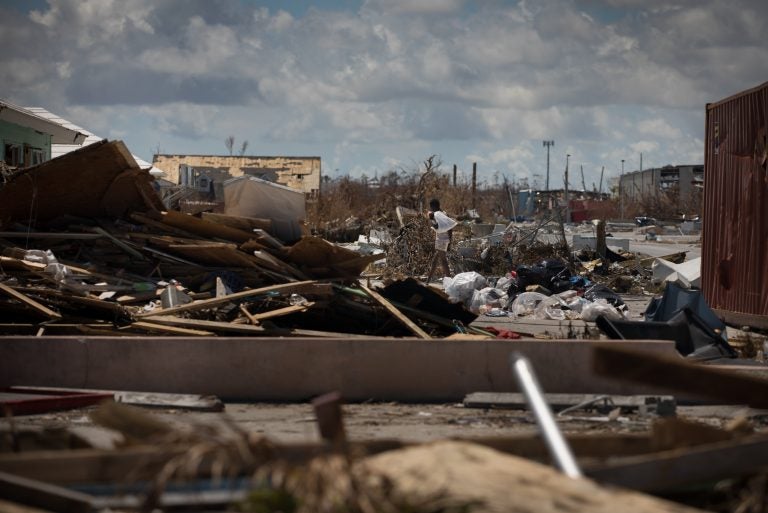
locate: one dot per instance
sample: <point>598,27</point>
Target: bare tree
<point>229,142</point>
<point>243,147</point>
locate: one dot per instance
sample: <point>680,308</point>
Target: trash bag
<point>488,296</point>
<point>550,308</point>
<point>552,274</point>
<point>600,291</point>
<point>592,311</point>
<point>460,287</point>
<point>525,303</point>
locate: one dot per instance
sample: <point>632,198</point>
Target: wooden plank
<point>39,494</point>
<point>279,312</point>
<point>49,235</point>
<point>158,225</point>
<point>203,228</point>
<point>680,375</point>
<point>156,399</point>
<point>144,462</point>
<point>216,326</point>
<point>215,254</point>
<point>669,470</point>
<point>508,400</point>
<point>120,244</point>
<point>297,287</point>
<point>38,307</point>
<point>397,313</point>
<point>246,224</point>
<point>743,319</point>
<point>173,330</point>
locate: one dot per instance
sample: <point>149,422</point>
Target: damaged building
<point>204,171</point>
<point>27,138</point>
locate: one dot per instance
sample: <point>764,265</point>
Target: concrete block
<point>293,369</point>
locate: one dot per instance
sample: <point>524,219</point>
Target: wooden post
<point>454,175</point>
<point>474,185</point>
<point>601,245</point>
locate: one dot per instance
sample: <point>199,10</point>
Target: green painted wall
<point>11,132</point>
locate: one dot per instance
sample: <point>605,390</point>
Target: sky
<point>373,86</point>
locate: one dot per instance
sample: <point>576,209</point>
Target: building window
<point>36,156</point>
<point>13,154</point>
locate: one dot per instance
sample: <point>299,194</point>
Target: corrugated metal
<point>735,236</point>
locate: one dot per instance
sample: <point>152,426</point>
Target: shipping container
<point>735,231</point>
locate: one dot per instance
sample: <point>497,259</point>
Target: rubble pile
<point>82,264</point>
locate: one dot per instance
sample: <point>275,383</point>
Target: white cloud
<point>396,80</point>
<point>658,127</point>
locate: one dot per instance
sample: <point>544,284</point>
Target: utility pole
<point>621,191</point>
<point>601,183</point>
<point>583,185</point>
<point>548,145</point>
<point>454,175</point>
<point>474,184</point>
<point>567,207</point>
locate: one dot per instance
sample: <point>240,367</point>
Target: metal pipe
<point>529,385</point>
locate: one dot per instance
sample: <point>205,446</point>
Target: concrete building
<point>680,179</point>
<point>301,173</point>
<point>27,139</point>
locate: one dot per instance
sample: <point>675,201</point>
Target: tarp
<point>675,299</point>
<point>247,196</point>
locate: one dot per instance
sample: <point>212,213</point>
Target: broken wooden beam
<point>397,313</point>
<point>670,470</point>
<point>38,307</point>
<point>680,375</point>
<point>171,330</point>
<point>296,286</point>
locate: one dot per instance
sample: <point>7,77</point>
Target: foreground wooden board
<point>728,384</point>
<point>469,473</point>
<point>100,465</point>
<point>677,468</point>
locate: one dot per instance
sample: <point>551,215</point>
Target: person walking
<point>443,227</point>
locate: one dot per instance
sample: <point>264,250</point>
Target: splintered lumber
<point>173,330</point>
<point>397,313</point>
<point>679,375</point>
<point>8,263</point>
<point>195,324</point>
<point>246,224</point>
<point>203,228</point>
<point>296,286</point>
<point>279,312</point>
<point>120,244</point>
<point>213,253</point>
<point>673,469</point>
<point>48,235</point>
<point>38,307</point>
<point>490,481</point>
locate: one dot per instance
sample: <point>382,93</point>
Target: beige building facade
<point>301,173</point>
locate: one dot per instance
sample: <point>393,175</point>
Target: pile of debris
<point>88,247</point>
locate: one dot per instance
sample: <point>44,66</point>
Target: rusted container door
<point>735,237</point>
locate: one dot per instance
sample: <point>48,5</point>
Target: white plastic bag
<point>460,287</point>
<point>525,303</point>
<point>486,297</point>
<point>591,311</point>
